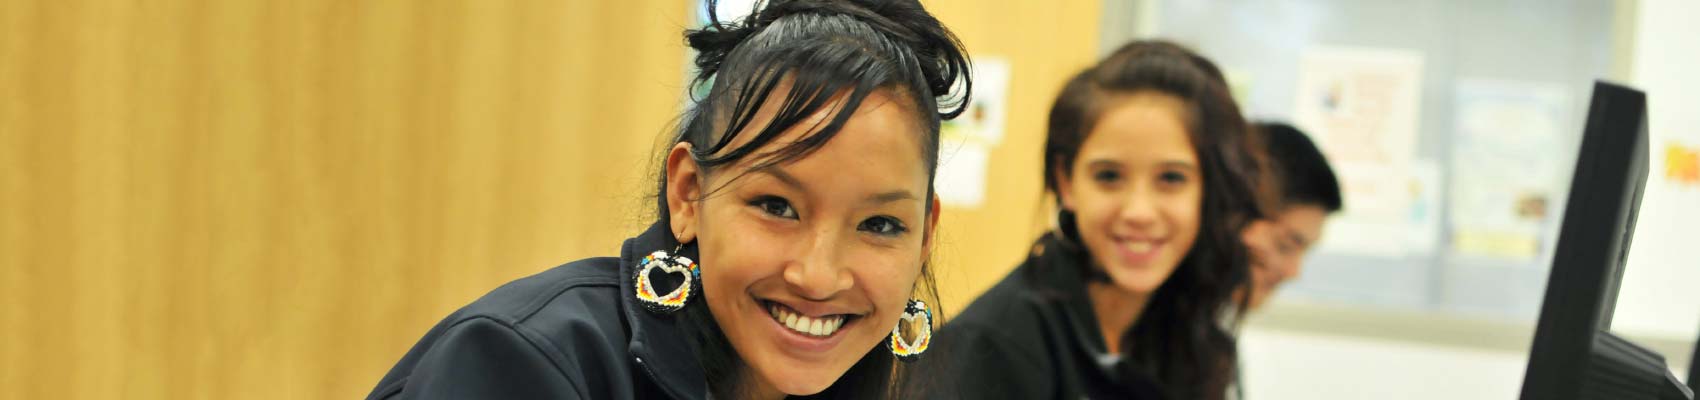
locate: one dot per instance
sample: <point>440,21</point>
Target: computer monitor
<point>1694,368</point>
<point>1574,356</point>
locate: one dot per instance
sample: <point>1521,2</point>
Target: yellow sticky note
<point>1682,164</point>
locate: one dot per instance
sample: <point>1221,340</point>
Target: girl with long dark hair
<point>1131,295</point>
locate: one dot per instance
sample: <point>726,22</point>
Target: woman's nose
<point>819,273</point>
<point>1139,207</point>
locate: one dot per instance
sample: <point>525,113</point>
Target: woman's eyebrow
<point>782,176</point>
<point>1101,163</point>
<point>887,197</point>
<point>1181,164</point>
<point>797,184</point>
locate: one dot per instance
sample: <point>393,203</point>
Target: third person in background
<point>1306,193</point>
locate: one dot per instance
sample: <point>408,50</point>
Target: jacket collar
<point>657,343</point>
<point>1059,267</point>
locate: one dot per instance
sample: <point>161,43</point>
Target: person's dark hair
<point>820,49</point>
<point>1180,339</point>
<point>1302,172</point>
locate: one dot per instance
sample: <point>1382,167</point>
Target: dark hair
<point>1302,172</point>
<point>822,49</point>
<point>1180,338</point>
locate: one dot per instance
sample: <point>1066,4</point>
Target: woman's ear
<point>932,228</point>
<point>684,189</point>
<point>1065,187</point>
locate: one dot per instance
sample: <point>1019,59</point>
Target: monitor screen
<point>1599,221</point>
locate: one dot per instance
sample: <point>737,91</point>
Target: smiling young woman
<point>1131,296</point>
<point>796,213</point>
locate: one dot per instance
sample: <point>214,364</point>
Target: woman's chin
<point>805,389</point>
<point>802,383</point>
<point>1136,281</point>
<point>797,377</point>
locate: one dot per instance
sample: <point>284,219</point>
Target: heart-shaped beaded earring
<point>901,346</point>
<point>663,262</point>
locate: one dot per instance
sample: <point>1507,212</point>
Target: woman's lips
<point>804,335</point>
<point>1138,251</point>
<point>820,326</point>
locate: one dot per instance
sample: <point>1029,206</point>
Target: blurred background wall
<point>273,200</point>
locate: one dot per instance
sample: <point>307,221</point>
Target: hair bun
<point>937,51</point>
<point>714,41</point>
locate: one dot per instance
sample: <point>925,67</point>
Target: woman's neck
<point>1117,310</point>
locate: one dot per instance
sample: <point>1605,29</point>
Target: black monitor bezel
<point>1587,265</point>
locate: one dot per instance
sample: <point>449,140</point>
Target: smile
<point>818,326</point>
<point>1139,250</point>
<point>1140,247</point>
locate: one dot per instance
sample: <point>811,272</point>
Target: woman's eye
<point>1106,176</point>
<point>885,226</point>
<point>1172,177</point>
<point>775,206</point>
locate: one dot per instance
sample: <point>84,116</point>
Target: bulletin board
<point>1453,126</point>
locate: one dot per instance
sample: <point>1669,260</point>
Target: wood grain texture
<point>204,199</point>
<point>243,199</point>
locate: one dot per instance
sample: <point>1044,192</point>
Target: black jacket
<point>1034,336</point>
<point>572,332</point>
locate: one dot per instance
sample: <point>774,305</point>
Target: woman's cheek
<point>898,267</point>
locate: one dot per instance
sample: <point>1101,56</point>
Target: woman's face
<point>1136,190</point>
<point>807,266</point>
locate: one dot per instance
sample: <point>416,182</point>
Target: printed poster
<point>1512,159</point>
<point>965,143</point>
<point>1360,105</point>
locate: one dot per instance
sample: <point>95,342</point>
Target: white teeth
<point>1139,247</point>
<point>815,326</point>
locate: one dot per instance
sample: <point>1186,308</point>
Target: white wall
<point>1287,365</point>
<point>1661,287</point>
<point>1283,364</point>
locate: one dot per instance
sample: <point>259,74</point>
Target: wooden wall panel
<point>234,199</point>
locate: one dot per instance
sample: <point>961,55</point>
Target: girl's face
<point>1136,190</point>
<point>807,266</point>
